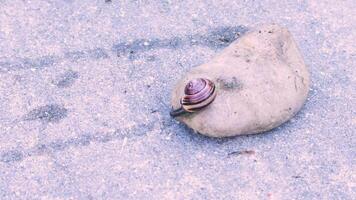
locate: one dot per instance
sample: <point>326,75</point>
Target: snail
<point>198,94</point>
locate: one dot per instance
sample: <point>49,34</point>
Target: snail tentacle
<point>177,112</point>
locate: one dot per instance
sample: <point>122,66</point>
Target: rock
<point>261,80</point>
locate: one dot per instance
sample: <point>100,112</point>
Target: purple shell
<point>198,90</point>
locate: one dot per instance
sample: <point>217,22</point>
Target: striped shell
<point>199,93</point>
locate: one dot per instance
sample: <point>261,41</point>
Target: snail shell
<point>199,93</point>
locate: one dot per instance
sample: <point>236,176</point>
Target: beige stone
<point>261,80</point>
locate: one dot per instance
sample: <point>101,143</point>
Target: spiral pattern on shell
<point>199,93</point>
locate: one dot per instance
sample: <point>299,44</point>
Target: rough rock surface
<point>262,82</point>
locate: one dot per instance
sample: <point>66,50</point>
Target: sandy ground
<point>84,101</point>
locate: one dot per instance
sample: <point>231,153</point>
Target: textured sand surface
<point>84,101</point>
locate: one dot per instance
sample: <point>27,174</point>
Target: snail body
<point>198,94</point>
